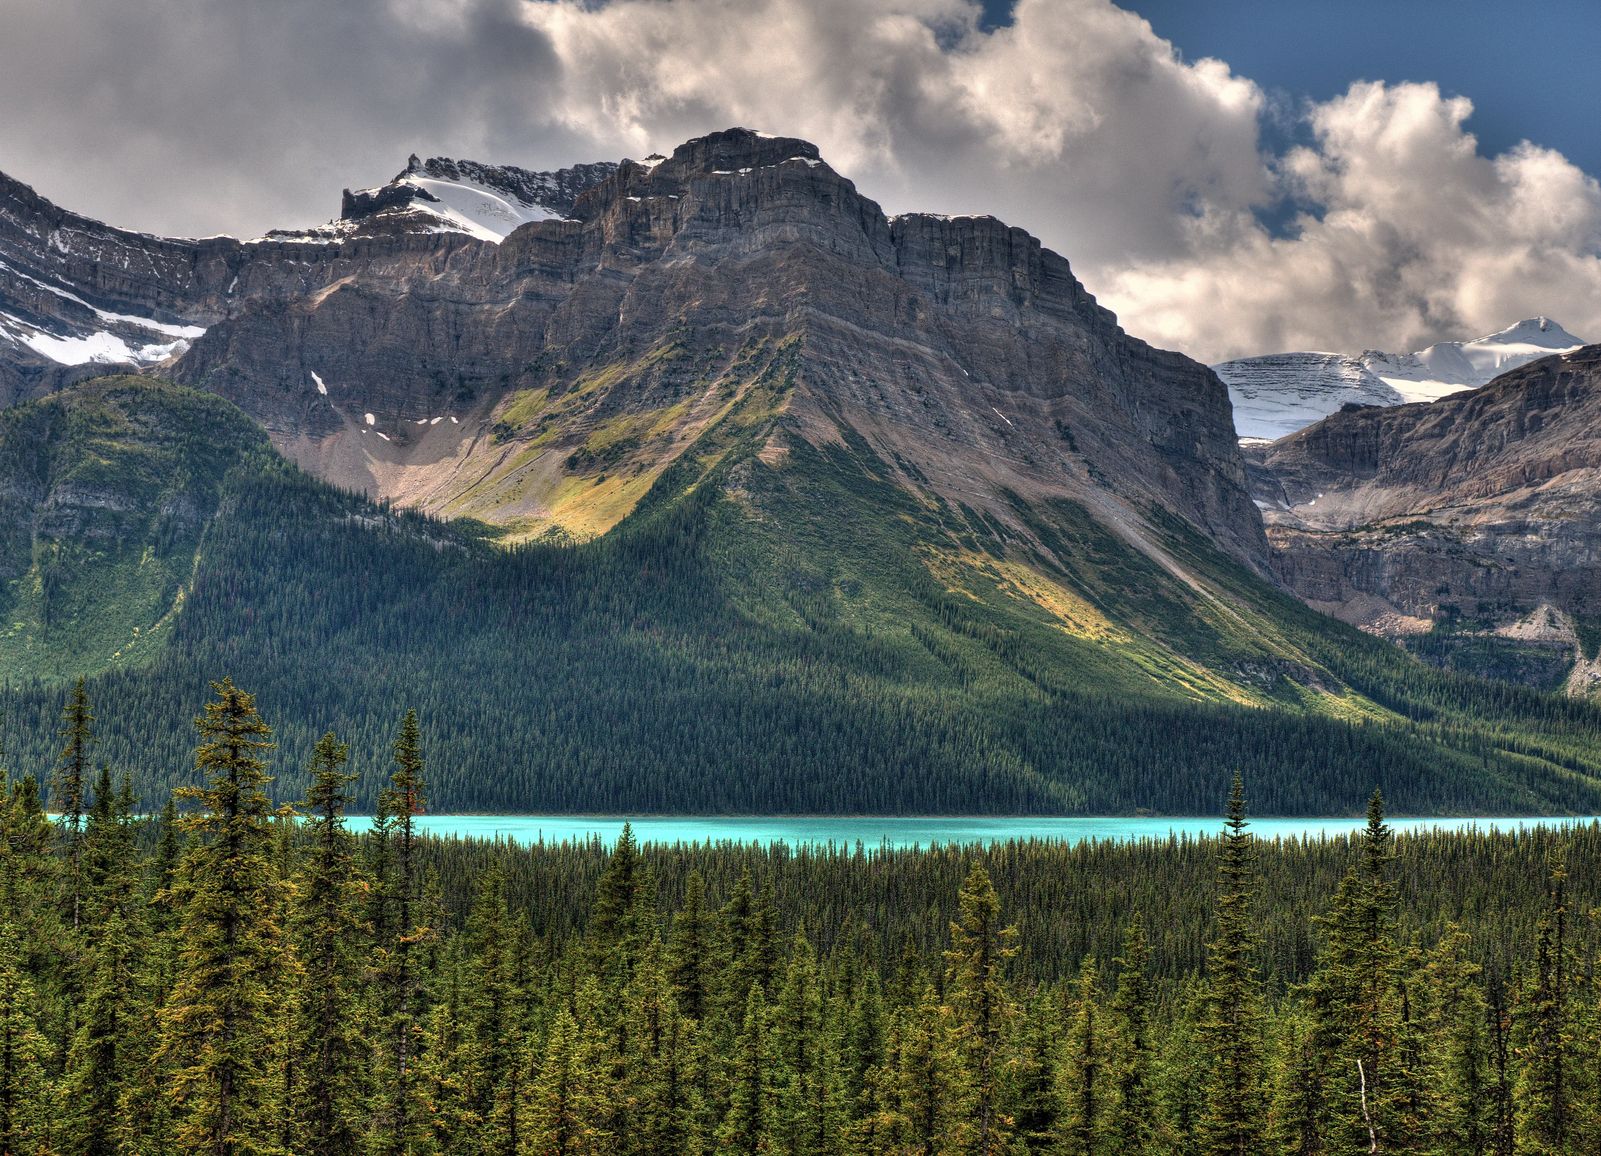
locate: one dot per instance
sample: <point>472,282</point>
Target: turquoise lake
<point>874,832</point>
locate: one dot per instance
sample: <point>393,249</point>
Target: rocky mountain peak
<point>736,150</point>
<point>545,379</point>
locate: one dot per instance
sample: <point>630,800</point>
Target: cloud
<point>1408,236</point>
<point>1075,121</point>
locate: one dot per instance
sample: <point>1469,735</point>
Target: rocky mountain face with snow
<point>1466,526</point>
<point>536,349</point>
<point>1280,393</point>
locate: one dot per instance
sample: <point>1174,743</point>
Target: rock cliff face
<point>1474,513</point>
<point>545,378</point>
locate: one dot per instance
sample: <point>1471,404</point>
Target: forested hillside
<point>229,979</point>
<point>758,636</point>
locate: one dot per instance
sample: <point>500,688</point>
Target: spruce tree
<point>109,877</point>
<point>1458,1077</point>
<point>975,968</point>
<point>925,1095</point>
<point>621,914</point>
<point>1356,998</point>
<point>1232,1029</point>
<point>396,1125</point>
<point>221,1015</point>
<point>24,1077</point>
<point>69,790</point>
<point>1083,1068</point>
<point>693,949</point>
<point>1132,1115</point>
<point>1544,1092</point>
<point>1035,1097</point>
<point>659,1065</point>
<point>100,1064</point>
<point>330,934</point>
<point>747,1127</point>
<point>807,1103</point>
<point>566,1105</point>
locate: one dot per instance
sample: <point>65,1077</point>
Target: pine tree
<point>747,1127</point>
<point>693,949</point>
<point>1035,1096</point>
<point>329,932</point>
<point>1297,1115</point>
<point>1356,999</point>
<point>1132,1115</point>
<point>1185,1073</point>
<point>69,790</point>
<point>659,1064</point>
<point>220,1017</point>
<point>446,1064</point>
<point>806,1108</point>
<point>566,1108</point>
<point>1545,1111</point>
<point>396,1125</point>
<point>924,1097</point>
<point>110,876</point>
<point>490,1007</point>
<point>98,1063</point>
<point>24,1077</point>
<point>1083,1069</point>
<point>975,984</point>
<point>1458,1078</point>
<point>621,912</point>
<point>1233,1124</point>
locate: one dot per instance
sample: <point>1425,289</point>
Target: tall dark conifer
<point>25,1112</point>
<point>220,1018</point>
<point>1132,1114</point>
<point>329,933</point>
<point>975,985</point>
<point>396,1124</point>
<point>1235,1110</point>
<point>692,949</point>
<point>69,790</point>
<point>1544,1090</point>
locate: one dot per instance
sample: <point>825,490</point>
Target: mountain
<point>718,491</point>
<point>1277,394</point>
<point>1452,366</point>
<point>543,382</point>
<point>79,297</point>
<point>1465,527</point>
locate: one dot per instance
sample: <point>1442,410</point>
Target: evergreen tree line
<point>240,976</point>
<point>698,659</point>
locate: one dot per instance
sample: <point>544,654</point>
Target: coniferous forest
<point>227,972</point>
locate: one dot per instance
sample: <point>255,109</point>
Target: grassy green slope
<point>105,492</point>
<point>795,631</point>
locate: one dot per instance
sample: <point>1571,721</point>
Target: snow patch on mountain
<point>475,209</point>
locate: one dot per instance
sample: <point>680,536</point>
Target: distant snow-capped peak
<point>1280,393</point>
<point>1449,367</point>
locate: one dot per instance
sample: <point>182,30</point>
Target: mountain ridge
<point>1462,527</point>
<point>455,346</point>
